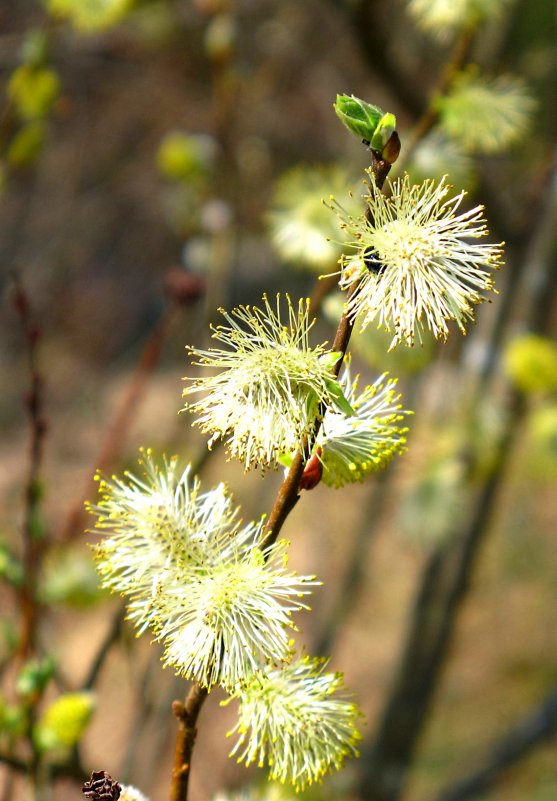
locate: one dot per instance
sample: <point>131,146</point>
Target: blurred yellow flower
<point>89,16</point>
<point>530,363</point>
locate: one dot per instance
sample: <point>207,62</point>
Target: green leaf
<point>331,358</point>
<point>359,117</point>
<point>286,459</point>
<point>312,405</point>
<point>339,398</point>
<point>11,569</point>
<point>34,677</point>
<point>383,132</point>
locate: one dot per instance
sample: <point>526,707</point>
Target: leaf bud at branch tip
<point>391,151</point>
<point>385,128</point>
<point>375,128</point>
<point>359,117</point>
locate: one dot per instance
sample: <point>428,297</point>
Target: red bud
<point>312,472</point>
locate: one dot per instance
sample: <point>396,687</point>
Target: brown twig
<point>14,763</point>
<point>288,494</point>
<point>287,498</point>
<point>112,635</point>
<point>187,715</point>
<point>537,726</point>
<point>430,116</point>
<point>33,534</point>
<point>125,415</point>
<point>354,577</point>
<point>32,530</point>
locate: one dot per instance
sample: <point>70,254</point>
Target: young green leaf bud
<point>359,117</point>
<point>385,128</point>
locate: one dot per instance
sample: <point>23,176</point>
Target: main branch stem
<point>187,715</point>
<point>289,493</point>
<point>287,497</point>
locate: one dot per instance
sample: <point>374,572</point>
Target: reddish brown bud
<point>178,708</point>
<point>391,150</point>
<point>312,472</point>
<point>183,287</point>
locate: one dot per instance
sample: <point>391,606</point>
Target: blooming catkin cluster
<point>267,394</point>
<point>485,115</point>
<point>273,388</point>
<point>444,18</point>
<point>195,575</point>
<point>300,226</point>
<point>413,264</point>
<point>221,603</point>
<point>353,446</point>
<point>208,586</point>
<point>297,720</point>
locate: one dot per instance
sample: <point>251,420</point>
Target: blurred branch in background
<point>447,575</point>
<point>181,291</point>
<point>124,418</point>
<point>444,585</point>
<point>33,528</point>
<point>535,727</point>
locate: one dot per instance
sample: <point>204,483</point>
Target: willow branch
<point>537,726</point>
<point>289,493</point>
<point>111,636</point>
<point>455,63</point>
<point>187,715</point>
<point>12,762</point>
<point>354,577</point>
<point>125,415</point>
<point>32,531</point>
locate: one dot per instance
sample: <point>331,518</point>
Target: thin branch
<point>19,765</point>
<point>111,637</point>
<point>187,715</point>
<point>532,730</point>
<point>150,713</point>
<point>443,588</point>
<point>427,120</point>
<point>354,577</point>
<point>445,580</point>
<point>288,494</point>
<point>125,415</point>
<point>320,291</point>
<point>32,529</point>
<point>369,20</point>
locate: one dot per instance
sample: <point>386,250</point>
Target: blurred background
<point>164,158</point>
